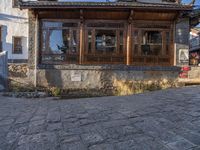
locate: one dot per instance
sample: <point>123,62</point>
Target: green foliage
<point>55,91</point>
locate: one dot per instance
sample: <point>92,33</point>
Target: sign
<point>183,55</point>
<point>75,76</point>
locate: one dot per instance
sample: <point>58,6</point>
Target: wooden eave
<point>102,5</point>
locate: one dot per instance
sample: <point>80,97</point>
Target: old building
<point>13,31</point>
<point>103,45</point>
<point>195,46</point>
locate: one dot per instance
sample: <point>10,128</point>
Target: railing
<point>195,43</point>
<point>3,71</point>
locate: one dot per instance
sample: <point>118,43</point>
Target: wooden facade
<point>107,37</point>
<point>129,33</point>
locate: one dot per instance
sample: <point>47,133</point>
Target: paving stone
<point>73,146</point>
<point>126,145</point>
<point>92,138</point>
<point>54,126</point>
<point>69,139</point>
<point>36,127</point>
<point>181,145</point>
<point>161,120</point>
<point>23,119</point>
<point>46,137</point>
<point>53,117</point>
<point>102,147</point>
<point>6,122</point>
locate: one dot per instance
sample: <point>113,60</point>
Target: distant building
<point>195,46</point>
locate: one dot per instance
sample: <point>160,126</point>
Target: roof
<point>56,4</point>
<point>195,13</point>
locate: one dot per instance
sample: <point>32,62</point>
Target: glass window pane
<point>121,34</point>
<point>47,24</point>
<point>89,41</point>
<point>74,42</point>
<point>106,41</point>
<point>135,42</point>
<point>59,41</point>
<point>151,42</point>
<point>167,42</point>
<point>135,37</point>
<point>17,45</point>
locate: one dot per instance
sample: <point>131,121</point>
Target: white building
<point>13,31</point>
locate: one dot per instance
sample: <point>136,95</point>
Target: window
<point>17,45</point>
<point>151,46</point>
<point>1,47</point>
<point>151,42</point>
<point>15,3</point>
<point>105,43</point>
<point>59,43</point>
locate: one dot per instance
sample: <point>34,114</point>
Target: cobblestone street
<point>161,120</point>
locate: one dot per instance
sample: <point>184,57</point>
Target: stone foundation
<point>194,73</point>
<point>18,70</point>
<point>121,80</point>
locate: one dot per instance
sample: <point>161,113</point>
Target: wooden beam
<point>173,47</point>
<point>128,51</point>
<point>36,47</point>
<point>129,39</point>
<point>81,54</point>
<point>163,52</point>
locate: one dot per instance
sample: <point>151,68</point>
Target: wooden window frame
<point>47,41</point>
<point>15,3</point>
<point>100,57</point>
<point>162,59</point>
<point>13,45</point>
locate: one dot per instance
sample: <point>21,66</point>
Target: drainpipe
<point>36,49</point>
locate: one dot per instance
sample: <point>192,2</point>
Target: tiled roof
<point>195,13</point>
<point>52,4</point>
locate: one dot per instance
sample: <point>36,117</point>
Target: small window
<point>15,3</point>
<point>17,45</point>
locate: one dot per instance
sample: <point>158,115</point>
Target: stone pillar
<point>31,49</point>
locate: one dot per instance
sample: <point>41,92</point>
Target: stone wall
<point>18,70</point>
<point>194,73</point>
<point>117,80</point>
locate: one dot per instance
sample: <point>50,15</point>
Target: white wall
<point>14,22</point>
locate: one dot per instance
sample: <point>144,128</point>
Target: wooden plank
<point>128,55</point>
<point>93,41</point>
<point>163,52</point>
<point>172,46</point>
<point>81,43</point>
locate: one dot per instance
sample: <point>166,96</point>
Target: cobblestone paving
<point>162,120</point>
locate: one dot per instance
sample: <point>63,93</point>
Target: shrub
<point>55,91</point>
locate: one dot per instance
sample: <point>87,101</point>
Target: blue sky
<point>187,1</point>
